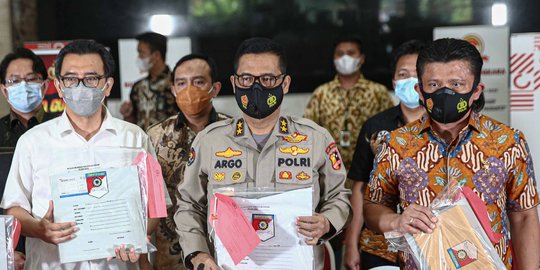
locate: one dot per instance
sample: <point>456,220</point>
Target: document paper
<point>106,205</point>
<point>274,220</point>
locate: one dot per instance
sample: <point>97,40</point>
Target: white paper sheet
<point>106,204</point>
<point>275,217</point>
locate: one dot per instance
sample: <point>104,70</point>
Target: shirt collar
<point>34,120</point>
<point>163,75</point>
<point>334,84</point>
<point>64,125</point>
<point>473,123</point>
<point>181,120</point>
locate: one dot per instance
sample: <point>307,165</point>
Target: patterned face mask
<point>258,101</point>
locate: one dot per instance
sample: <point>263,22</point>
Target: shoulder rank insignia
<point>239,128</point>
<point>295,138</point>
<point>229,153</point>
<point>302,176</point>
<point>293,150</point>
<point>191,157</point>
<point>283,125</point>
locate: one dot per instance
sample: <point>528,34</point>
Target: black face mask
<point>446,105</point>
<point>258,101</point>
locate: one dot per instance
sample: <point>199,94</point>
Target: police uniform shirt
<point>298,153</point>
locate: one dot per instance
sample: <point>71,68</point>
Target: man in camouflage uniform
<point>151,100</point>
<point>193,75</point>
<point>264,149</point>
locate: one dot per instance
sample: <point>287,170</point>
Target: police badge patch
<point>264,226</point>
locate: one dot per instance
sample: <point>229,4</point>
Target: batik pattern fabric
<point>330,102</point>
<point>152,100</point>
<point>414,164</point>
<point>172,140</point>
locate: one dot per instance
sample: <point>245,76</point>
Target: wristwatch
<point>189,257</point>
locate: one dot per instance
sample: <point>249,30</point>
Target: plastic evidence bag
<point>272,214</point>
<point>103,190</point>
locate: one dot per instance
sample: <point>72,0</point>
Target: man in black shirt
<point>23,82</point>
<point>373,248</point>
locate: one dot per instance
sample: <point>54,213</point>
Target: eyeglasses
<point>89,81</point>
<point>34,78</point>
<point>266,80</point>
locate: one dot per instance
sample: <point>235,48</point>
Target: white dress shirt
<point>28,184</point>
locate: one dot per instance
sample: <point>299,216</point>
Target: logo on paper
<point>264,226</point>
<point>463,254</point>
<point>97,184</point>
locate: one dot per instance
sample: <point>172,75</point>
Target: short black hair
<point>211,63</point>
<point>85,46</point>
<point>157,42</point>
<point>259,45</point>
<point>409,47</point>
<point>349,39</point>
<point>22,53</point>
<point>445,50</point>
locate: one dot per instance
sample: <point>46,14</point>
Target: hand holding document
<point>272,216</point>
<point>105,204</point>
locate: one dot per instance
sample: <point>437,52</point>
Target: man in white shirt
<point>84,71</point>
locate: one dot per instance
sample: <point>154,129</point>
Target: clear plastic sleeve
<point>103,158</point>
<point>458,240</point>
<point>272,213</point>
<point>8,238</point>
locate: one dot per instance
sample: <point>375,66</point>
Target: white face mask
<point>144,64</point>
<point>347,65</point>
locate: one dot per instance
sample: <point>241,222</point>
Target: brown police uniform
<point>298,153</point>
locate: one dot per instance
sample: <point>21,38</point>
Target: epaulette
<point>239,127</point>
<point>283,125</point>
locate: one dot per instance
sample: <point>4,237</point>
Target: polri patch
<point>335,159</point>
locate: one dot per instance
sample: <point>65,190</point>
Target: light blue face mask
<point>406,93</point>
<point>25,97</point>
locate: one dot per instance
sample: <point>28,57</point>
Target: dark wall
<point>306,28</point>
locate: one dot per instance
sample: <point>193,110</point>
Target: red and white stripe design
<point>522,100</point>
<point>521,63</point>
<point>537,43</point>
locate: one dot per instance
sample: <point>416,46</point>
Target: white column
<point>5,43</point>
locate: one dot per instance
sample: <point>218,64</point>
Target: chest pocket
<point>294,161</point>
<point>228,166</point>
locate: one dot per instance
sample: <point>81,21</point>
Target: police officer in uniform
<point>261,149</point>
